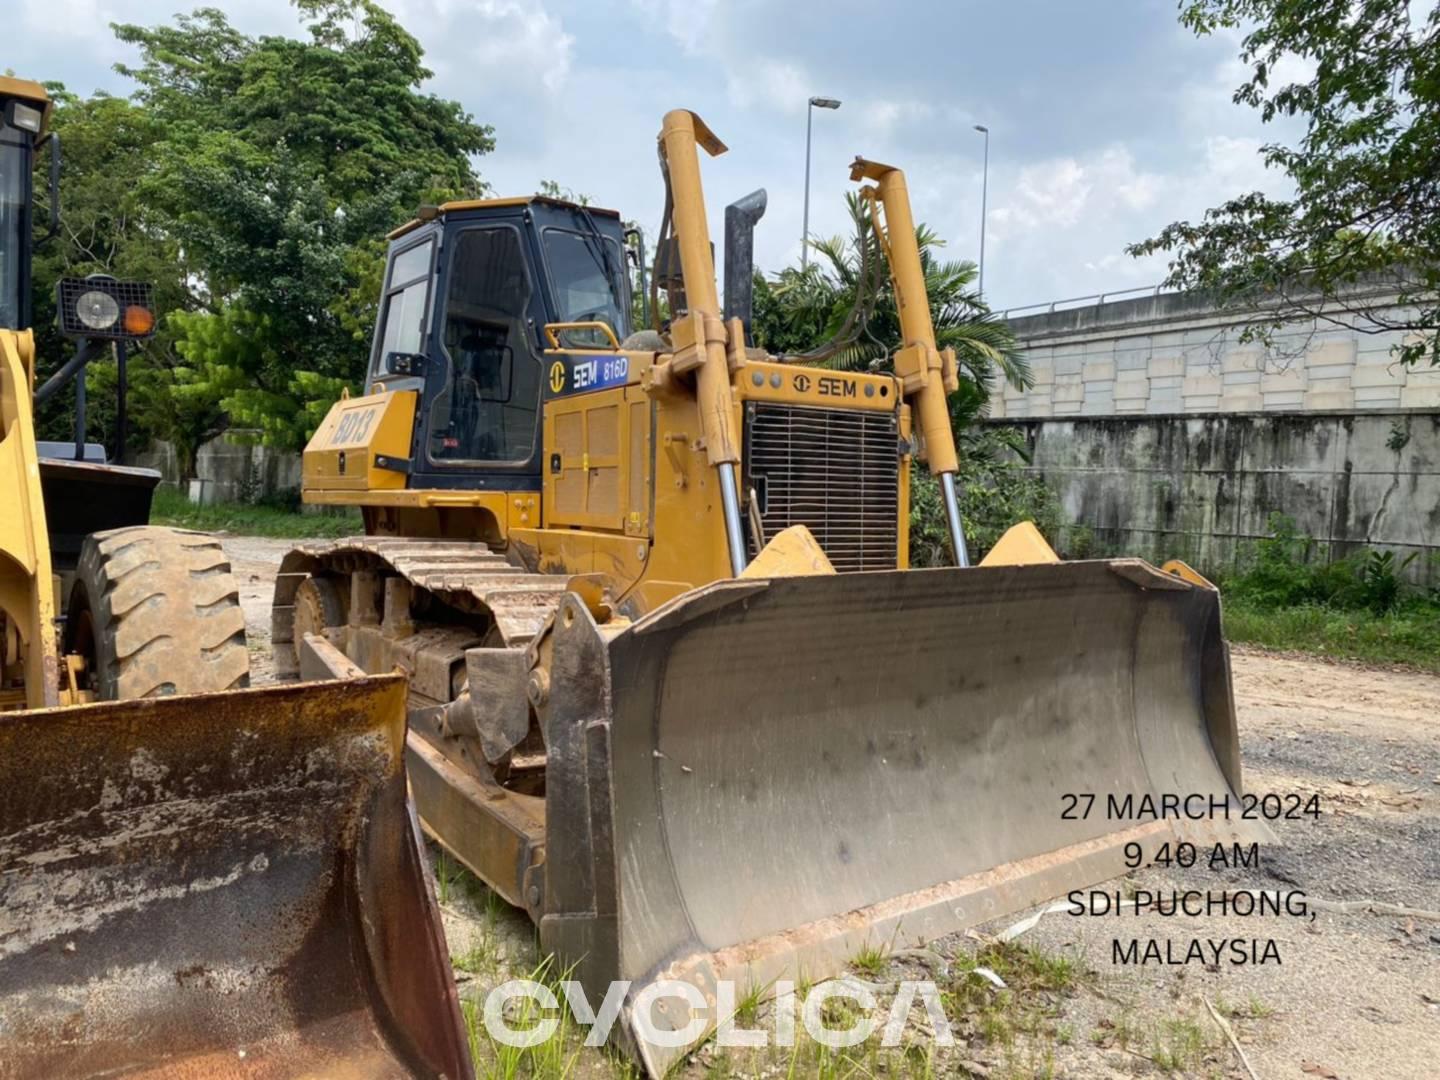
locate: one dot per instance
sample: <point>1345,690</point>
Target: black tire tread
<point>166,613</point>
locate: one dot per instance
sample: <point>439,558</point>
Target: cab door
<point>480,414</point>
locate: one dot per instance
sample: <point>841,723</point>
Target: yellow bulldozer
<point>195,878</point>
<point>673,689</point>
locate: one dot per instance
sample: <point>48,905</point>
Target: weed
<point>747,1009</point>
<point>1258,1009</point>
<point>482,958</point>
<point>871,959</point>
<point>445,877</point>
<point>1179,1045</point>
<point>554,1058</point>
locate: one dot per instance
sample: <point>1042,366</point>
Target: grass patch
<point>1401,637</point>
<point>1179,1045</point>
<point>170,507</point>
<point>554,1058</point>
<point>1021,1020</point>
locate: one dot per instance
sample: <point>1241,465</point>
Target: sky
<point>1108,119</point>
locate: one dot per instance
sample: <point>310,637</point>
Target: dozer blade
<point>767,776</point>
<point>223,884</point>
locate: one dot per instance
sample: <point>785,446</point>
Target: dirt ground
<point>1355,996</point>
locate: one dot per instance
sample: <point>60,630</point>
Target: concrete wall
<point>1176,353</point>
<point>229,469</point>
<point>1200,487</point>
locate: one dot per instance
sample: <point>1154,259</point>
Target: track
<point>466,576</point>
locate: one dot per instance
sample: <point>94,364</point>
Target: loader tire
<point>156,612</point>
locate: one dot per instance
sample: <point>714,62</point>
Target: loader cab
<point>468,293</point>
<point>23,105</point>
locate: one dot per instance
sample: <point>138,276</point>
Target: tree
<point>107,144</point>
<point>1366,202</point>
<point>280,166</point>
<point>798,309</point>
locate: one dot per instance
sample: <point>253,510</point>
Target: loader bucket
<point>770,775</point>
<point>224,884</point>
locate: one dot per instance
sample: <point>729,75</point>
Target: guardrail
<point>1094,298</point>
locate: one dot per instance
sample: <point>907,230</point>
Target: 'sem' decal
<point>576,375</point>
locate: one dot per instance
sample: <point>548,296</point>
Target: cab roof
<point>24,89</point>
<point>485,204</point>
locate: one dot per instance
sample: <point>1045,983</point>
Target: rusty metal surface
<point>219,884</point>
<point>758,780</point>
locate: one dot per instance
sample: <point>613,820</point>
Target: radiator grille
<point>835,471</point>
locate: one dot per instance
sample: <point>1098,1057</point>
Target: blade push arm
<point>928,372</point>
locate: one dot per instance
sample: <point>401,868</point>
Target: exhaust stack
<point>741,217</point>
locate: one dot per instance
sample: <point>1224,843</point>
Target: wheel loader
<point>195,878</point>
<point>673,689</point>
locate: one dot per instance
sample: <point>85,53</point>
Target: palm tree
<point>800,308</point>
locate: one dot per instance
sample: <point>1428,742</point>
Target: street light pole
<point>820,103</point>
<point>984,194</point>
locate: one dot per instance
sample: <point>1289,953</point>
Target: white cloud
<point>1106,128</point>
<point>768,82</point>
<point>495,45</point>
<point>687,21</point>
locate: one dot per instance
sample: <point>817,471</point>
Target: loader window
<point>405,302</point>
<point>488,408</point>
<point>14,222</point>
<point>585,289</point>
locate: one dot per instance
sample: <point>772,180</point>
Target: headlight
<point>26,116</point>
<point>97,310</point>
<point>101,307</point>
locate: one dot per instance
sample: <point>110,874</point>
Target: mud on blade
<point>225,883</point>
<point>771,774</point>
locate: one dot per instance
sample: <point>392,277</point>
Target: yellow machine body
<point>674,689</point>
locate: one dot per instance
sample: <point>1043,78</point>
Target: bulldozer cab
<point>467,295</point>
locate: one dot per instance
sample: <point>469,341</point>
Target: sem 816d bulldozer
<point>195,879</point>
<point>673,689</point>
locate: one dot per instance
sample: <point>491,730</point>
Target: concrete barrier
<point>1202,487</point>
<point>228,469</point>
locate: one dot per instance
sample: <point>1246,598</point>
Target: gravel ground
<point>1356,995</point>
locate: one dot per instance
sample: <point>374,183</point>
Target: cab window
<point>489,406</point>
<point>14,221</point>
<point>587,276</point>
<point>404,303</point>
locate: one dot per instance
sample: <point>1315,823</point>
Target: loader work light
<point>26,117</point>
<point>97,310</point>
<point>102,307</point>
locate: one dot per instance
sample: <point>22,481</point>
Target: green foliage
<point>1365,204</point>
<point>253,179</point>
<point>107,145</point>
<point>1358,607</point>
<point>1282,572</point>
<point>799,309</point>
<point>995,493</point>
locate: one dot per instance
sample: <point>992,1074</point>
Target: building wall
<point>1203,487</point>
<point>1175,353</point>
